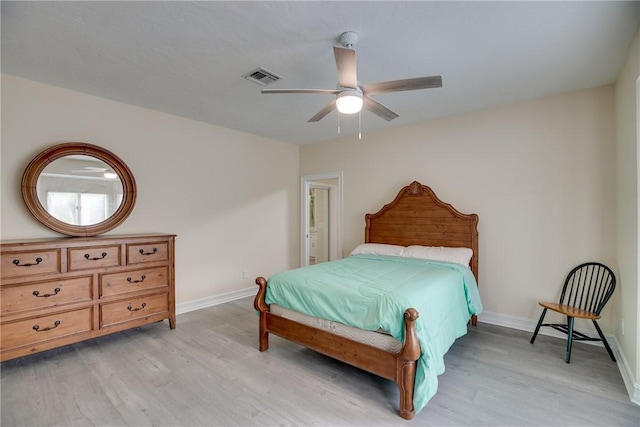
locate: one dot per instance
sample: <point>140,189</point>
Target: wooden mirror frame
<point>42,160</point>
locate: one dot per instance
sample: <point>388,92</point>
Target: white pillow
<point>378,249</point>
<point>440,253</point>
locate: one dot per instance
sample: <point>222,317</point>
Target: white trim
<point>333,199</point>
<point>625,371</point>
<point>185,307</point>
<point>633,389</point>
<point>636,387</point>
<point>305,180</point>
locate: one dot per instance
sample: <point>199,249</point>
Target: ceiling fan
<point>351,96</point>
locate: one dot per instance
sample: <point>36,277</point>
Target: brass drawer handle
<point>16,262</point>
<point>88,257</point>
<point>137,281</point>
<point>55,292</point>
<point>144,304</point>
<point>142,252</point>
<point>55,325</point>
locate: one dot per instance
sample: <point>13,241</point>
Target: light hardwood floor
<point>208,372</point>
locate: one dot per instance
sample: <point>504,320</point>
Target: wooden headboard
<point>417,217</point>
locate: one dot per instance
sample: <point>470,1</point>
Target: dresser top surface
<point>62,241</point>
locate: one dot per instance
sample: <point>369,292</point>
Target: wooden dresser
<point>55,292</point>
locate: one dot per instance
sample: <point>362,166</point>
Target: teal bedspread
<point>371,292</point>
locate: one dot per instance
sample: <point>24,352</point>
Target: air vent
<point>262,77</point>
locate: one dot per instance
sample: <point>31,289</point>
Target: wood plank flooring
<point>209,372</point>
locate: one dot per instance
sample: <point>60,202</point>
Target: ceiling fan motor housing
<point>349,39</point>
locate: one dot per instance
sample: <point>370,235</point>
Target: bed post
<point>406,364</point>
<point>261,306</point>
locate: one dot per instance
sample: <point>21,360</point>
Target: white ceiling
<point>187,58</point>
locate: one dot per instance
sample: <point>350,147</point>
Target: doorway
<point>321,218</point>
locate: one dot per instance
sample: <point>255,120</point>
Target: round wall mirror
<point>79,189</point>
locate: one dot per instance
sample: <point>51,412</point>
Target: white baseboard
<point>636,394</point>
<point>633,388</point>
<point>185,307</point>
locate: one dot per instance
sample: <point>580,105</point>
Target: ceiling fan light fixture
<point>349,101</point>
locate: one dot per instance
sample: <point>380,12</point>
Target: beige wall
<point>232,198</point>
<point>627,140</point>
<point>540,175</point>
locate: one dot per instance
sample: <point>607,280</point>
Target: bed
<point>415,217</point>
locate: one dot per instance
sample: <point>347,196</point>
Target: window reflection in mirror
<point>79,190</point>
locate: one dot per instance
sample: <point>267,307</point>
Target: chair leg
<point>569,337</point>
<point>535,333</point>
<point>604,340</point>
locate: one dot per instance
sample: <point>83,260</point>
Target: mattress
<point>379,339</point>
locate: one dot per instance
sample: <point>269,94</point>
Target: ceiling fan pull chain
<point>338,123</point>
<point>360,125</point>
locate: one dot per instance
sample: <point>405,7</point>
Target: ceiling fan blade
<point>400,85</point>
<point>378,109</point>
<point>326,110</point>
<point>328,91</point>
<point>346,64</point>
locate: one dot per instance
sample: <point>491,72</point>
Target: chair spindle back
<point>588,286</point>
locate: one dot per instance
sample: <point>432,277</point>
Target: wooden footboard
<point>400,367</point>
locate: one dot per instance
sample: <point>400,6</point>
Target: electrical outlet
<point>622,326</point>
<point>245,274</point>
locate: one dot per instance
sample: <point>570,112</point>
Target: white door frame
<point>329,253</point>
<point>306,182</point>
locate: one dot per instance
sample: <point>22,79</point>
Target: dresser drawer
<point>94,257</point>
<point>28,263</point>
<point>147,252</point>
<point>32,331</point>
<point>128,281</point>
<point>45,294</point>
<point>134,308</point>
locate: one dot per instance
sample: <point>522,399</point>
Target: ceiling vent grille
<point>262,77</point>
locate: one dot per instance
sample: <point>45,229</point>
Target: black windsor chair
<point>586,290</point>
